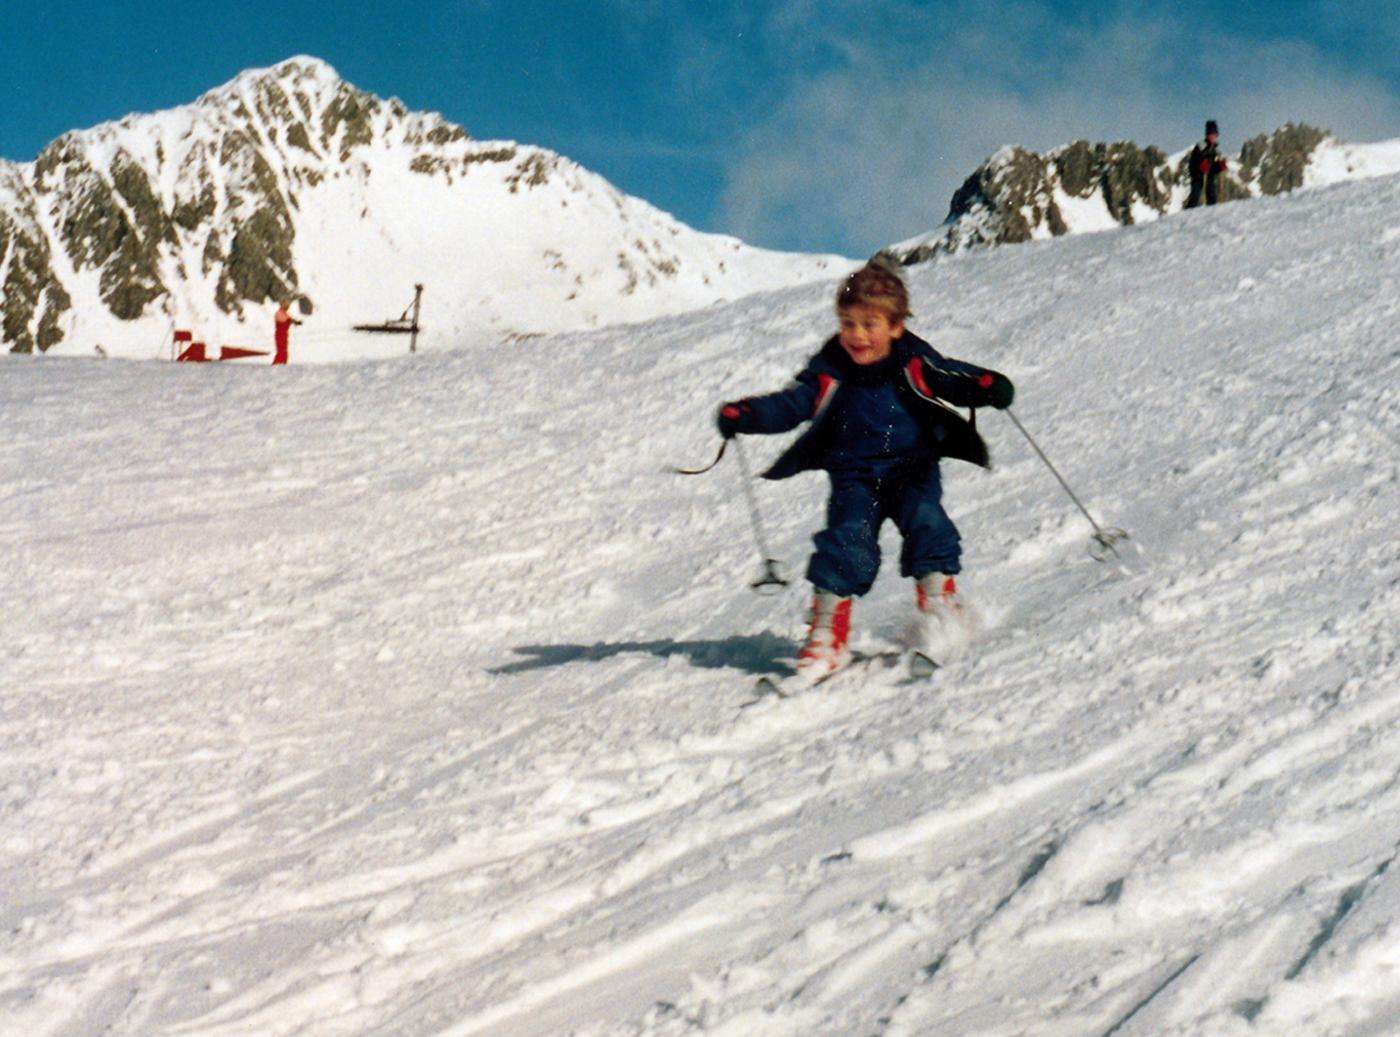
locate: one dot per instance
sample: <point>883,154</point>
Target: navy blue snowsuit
<point>879,431</point>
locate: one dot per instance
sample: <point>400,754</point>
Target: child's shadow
<point>757,654</point>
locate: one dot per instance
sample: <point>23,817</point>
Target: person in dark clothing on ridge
<point>1207,165</point>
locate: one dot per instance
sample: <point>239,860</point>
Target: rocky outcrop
<point>108,220</point>
<point>91,203</point>
<point>32,299</point>
<point>1018,195</point>
<point>1277,164</point>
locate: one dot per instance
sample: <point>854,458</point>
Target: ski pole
<point>770,577</point>
<point>770,580</point>
<point>1105,538</point>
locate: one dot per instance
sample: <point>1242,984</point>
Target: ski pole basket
<point>1106,541</point>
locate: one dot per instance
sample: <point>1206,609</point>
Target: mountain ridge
<point>291,182</point>
<point>1017,195</point>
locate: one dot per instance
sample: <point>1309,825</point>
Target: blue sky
<point>822,125</point>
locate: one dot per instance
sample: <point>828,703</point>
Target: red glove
<point>1205,165</point>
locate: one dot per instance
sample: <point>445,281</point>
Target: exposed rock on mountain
<point>290,183</point>
<point>31,298</point>
<point>1018,195</point>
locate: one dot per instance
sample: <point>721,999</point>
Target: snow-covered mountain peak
<point>301,72</point>
<point>289,182</point>
<point>306,97</point>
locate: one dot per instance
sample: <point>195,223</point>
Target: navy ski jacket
<point>924,383</point>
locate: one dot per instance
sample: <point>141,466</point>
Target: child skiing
<point>875,396</point>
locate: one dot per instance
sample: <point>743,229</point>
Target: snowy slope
<point>288,181</point>
<point>1338,161</point>
<point>401,697</point>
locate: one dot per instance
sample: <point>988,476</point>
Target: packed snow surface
<point>403,697</point>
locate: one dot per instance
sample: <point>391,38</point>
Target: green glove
<point>730,417</point>
<point>998,390</point>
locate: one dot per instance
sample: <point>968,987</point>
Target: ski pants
<point>1211,186</point>
<point>847,555</point>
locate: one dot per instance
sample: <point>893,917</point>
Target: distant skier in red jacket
<point>1207,166</point>
<point>283,330</point>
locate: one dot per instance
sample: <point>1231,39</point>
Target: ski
<point>921,666</point>
<point>790,685</point>
<point>768,685</point>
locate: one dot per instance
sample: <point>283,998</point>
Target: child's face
<point>867,333</point>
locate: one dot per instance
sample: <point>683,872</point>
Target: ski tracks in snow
<point>402,698</point>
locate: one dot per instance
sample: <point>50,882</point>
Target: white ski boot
<point>825,651</point>
<point>942,626</point>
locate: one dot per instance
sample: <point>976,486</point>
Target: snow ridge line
<point>1033,868</point>
<point>1347,903</point>
<point>1156,991</point>
<point>893,842</point>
